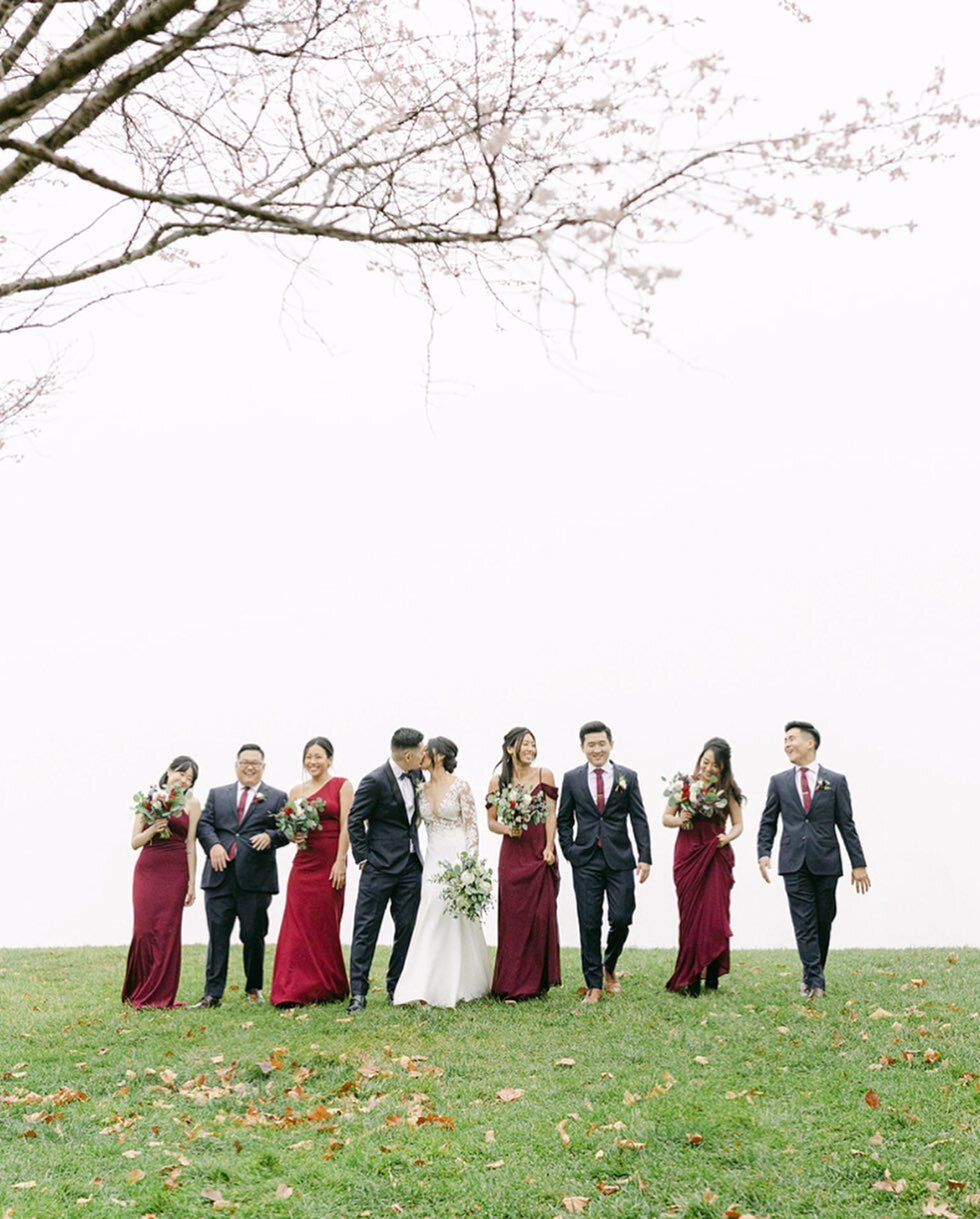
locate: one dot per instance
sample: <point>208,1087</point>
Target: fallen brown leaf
<point>871,1099</point>
<point>136,1175</point>
<point>509,1094</point>
<point>607,1189</point>
<point>563,1133</point>
<point>695,1138</point>
<point>575,1206</point>
<point>889,1185</point>
<point>284,1191</point>
<point>495,1164</point>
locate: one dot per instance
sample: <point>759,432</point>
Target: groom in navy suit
<point>814,804</point>
<point>383,824</point>
<point>238,832</point>
<point>597,800</point>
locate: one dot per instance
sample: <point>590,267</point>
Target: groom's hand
<point>860,879</point>
<point>642,871</point>
<point>764,865</point>
<point>219,857</point>
<point>260,842</point>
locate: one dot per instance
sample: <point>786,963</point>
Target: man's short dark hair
<point>593,726</point>
<point>258,749</point>
<point>405,738</point>
<point>804,726</point>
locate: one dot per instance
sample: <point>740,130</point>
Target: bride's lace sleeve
<point>467,806</point>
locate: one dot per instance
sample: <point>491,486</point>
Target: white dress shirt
<point>404,781</point>
<point>812,774</point>
<point>607,782</point>
<point>248,799</point>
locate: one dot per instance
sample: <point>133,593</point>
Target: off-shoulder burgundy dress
<point>528,952</point>
<point>159,889</point>
<point>703,877</point>
<point>309,965</point>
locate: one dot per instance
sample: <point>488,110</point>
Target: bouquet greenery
<point>467,886</point>
<point>154,803</point>
<point>517,808</point>
<point>299,817</point>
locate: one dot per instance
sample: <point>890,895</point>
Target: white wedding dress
<point>447,960</point>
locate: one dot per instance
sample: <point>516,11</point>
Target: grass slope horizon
<point>750,1101</point>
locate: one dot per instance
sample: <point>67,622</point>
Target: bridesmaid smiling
<point>163,884</point>
<point>309,965</point>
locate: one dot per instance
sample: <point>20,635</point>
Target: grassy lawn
<point>750,1102</point>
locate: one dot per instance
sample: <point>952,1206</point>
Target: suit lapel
<point>584,772</point>
<point>394,783</point>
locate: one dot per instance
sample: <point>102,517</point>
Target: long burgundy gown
<point>309,965</point>
<point>159,889</point>
<point>703,879</point>
<point>528,957</point>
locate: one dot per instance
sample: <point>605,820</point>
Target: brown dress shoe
<point>592,995</point>
<point>611,984</point>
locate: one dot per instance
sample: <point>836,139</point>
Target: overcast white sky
<point>229,531</point>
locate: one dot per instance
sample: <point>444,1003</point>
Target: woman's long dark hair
<point>723,756</point>
<point>183,764</point>
<point>324,744</point>
<point>513,741</point>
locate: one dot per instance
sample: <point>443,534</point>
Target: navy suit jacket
<point>254,870</point>
<point>379,828</point>
<point>810,839</point>
<point>581,827</point>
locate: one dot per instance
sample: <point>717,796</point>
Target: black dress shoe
<point>391,997</point>
<point>711,977</point>
<point>207,1001</point>
<point>357,1004</point>
<point>693,989</point>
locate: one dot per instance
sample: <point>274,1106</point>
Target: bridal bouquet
<point>467,886</point>
<point>698,797</point>
<point>154,804</point>
<point>517,808</point>
<point>299,817</point>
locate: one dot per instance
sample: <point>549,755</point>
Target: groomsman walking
<point>238,832</point>
<point>597,800</point>
<point>814,804</point>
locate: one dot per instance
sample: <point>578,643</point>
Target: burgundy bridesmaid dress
<point>528,953</point>
<point>309,965</point>
<point>703,879</point>
<point>159,889</point>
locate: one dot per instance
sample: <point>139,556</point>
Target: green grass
<point>750,1101</point>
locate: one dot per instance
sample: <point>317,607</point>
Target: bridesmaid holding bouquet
<point>703,867</point>
<point>521,807</point>
<point>163,884</point>
<point>309,965</point>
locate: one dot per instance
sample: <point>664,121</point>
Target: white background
<point>228,530</point>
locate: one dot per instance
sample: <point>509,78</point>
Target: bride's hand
<point>548,855</point>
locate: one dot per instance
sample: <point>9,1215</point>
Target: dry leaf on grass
<point>607,1189</point>
<point>889,1185</point>
<point>872,1099</point>
<point>564,1062</point>
<point>509,1094</point>
<point>284,1191</point>
<point>136,1175</point>
<point>495,1164</point>
<point>694,1138</point>
<point>563,1133</point>
<point>575,1206</point>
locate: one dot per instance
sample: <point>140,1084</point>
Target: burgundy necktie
<point>233,851</point>
<point>805,785</point>
<point>600,790</point>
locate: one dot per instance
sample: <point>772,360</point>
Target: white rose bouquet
<point>467,886</point>
<point>516,808</point>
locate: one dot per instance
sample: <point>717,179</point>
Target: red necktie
<point>233,850</point>
<point>600,790</point>
<point>805,785</point>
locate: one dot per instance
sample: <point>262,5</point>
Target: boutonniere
<point>622,783</point>
<point>419,784</point>
<point>823,785</point>
<point>258,798</point>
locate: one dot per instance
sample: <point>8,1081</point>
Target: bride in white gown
<point>447,960</point>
